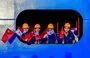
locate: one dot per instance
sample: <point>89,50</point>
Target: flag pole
<point>78,27</point>
<point>57,32</point>
<point>57,27</point>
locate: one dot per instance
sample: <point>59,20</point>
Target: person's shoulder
<point>70,32</point>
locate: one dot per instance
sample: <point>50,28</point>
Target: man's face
<point>26,29</point>
<point>49,29</point>
<point>66,29</point>
<point>37,29</point>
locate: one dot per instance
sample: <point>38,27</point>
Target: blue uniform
<point>76,32</point>
<point>51,39</point>
<point>69,38</point>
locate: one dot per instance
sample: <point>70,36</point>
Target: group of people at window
<point>48,36</point>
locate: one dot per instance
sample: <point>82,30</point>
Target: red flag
<point>28,36</point>
<point>7,35</point>
<point>20,29</point>
<point>38,37</point>
<point>61,34</point>
<point>42,35</point>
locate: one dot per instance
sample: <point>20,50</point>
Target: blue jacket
<point>51,39</point>
<point>69,38</point>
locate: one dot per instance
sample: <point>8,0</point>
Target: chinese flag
<point>20,29</point>
<point>42,34</point>
<point>7,35</point>
<point>38,37</point>
<point>61,34</point>
<point>27,37</point>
